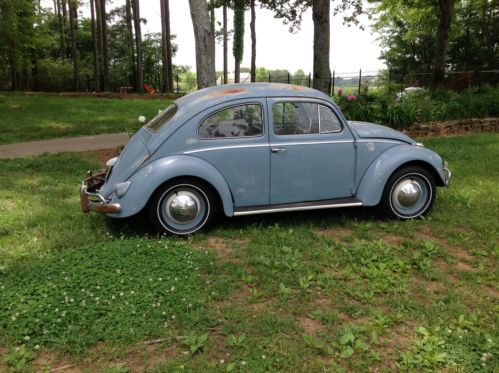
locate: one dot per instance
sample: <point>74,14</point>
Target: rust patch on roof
<point>297,88</point>
<point>225,92</point>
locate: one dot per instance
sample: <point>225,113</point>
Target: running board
<point>315,205</point>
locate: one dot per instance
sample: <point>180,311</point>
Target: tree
<point>73,20</point>
<point>322,70</point>
<point>238,43</point>
<point>445,9</point>
<point>225,45</point>
<point>131,47</point>
<point>407,33</point>
<point>95,47</point>
<point>166,47</point>
<point>104,46</point>
<point>138,47</point>
<point>291,12</point>
<point>253,41</point>
<point>204,39</point>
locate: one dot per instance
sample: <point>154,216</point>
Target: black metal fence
<point>358,83</point>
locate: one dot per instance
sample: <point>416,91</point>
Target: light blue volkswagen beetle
<point>261,148</point>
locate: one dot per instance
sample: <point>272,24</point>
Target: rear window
<point>162,118</point>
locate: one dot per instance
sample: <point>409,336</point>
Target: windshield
<point>162,118</point>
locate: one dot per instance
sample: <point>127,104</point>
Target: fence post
<point>289,78</point>
<point>269,77</point>
<point>178,89</point>
<point>360,80</point>
<point>332,82</point>
<point>402,85</point>
<point>309,80</point>
<point>389,79</point>
<point>88,83</point>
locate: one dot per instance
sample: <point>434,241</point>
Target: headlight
<point>122,188</point>
<point>420,144</point>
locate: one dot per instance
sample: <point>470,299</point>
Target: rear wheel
<point>409,193</point>
<point>181,207</point>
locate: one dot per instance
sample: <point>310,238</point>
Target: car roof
<point>211,96</point>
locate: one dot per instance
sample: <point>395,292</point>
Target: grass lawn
<point>339,290</point>
<point>45,116</point>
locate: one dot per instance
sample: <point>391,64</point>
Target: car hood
<point>376,131</point>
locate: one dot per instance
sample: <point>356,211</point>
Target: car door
<point>312,154</point>
<point>233,138</point>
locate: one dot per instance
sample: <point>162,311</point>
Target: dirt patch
<point>310,326</point>
<point>225,248</point>
<point>336,233</point>
<point>462,266</point>
<point>392,239</point>
<point>137,358</point>
<point>493,292</point>
<point>147,358</point>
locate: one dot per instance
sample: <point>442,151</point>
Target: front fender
<point>146,180</point>
<point>374,179</point>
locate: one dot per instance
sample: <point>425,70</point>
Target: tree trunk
<point>74,50</point>
<point>226,63</point>
<point>445,9</point>
<point>138,46</point>
<point>253,41</point>
<point>204,38</point>
<point>95,47</point>
<point>130,43</point>
<point>322,71</point>
<point>167,47</point>
<point>238,43</point>
<point>105,48</point>
<point>62,35</point>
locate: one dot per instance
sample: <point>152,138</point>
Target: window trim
<point>262,110</point>
<point>338,119</point>
<point>280,101</point>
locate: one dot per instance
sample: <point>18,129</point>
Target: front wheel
<point>181,207</point>
<point>409,193</point>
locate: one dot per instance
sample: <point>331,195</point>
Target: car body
<point>261,148</point>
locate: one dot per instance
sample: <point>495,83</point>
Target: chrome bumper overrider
<point>92,200</point>
<point>447,174</point>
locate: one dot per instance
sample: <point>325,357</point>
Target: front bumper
<point>91,199</point>
<point>447,174</point>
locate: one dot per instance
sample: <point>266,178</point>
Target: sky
<point>351,48</point>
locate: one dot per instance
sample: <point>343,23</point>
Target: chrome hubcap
<point>407,193</point>
<point>182,207</point>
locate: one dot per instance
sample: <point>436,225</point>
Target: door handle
<point>278,149</point>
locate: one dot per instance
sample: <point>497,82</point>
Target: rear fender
<point>145,182</point>
<point>373,181</point>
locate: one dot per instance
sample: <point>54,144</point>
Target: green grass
<point>39,117</point>
<point>340,290</point>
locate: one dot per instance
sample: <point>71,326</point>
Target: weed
<point>195,343</point>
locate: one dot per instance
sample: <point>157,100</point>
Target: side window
<point>295,118</point>
<point>236,121</point>
<point>329,121</point>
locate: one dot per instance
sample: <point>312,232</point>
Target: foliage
<point>385,108</point>
<point>30,45</point>
<point>238,42</point>
<point>195,343</point>
<point>407,34</point>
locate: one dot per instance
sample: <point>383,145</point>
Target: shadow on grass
<point>139,225</point>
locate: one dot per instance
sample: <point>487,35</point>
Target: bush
<point>423,106</point>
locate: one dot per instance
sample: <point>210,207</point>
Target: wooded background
<point>57,49</point>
